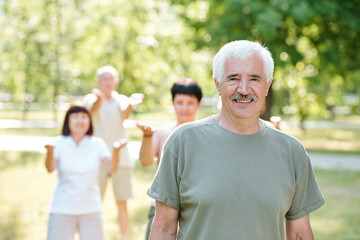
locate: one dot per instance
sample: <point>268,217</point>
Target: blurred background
<point>51,49</point>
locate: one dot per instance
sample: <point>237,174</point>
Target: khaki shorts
<point>121,181</point>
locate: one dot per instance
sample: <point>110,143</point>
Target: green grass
<point>341,141</point>
<point>333,140</point>
<point>44,132</point>
<point>26,190</point>
<point>31,115</point>
<point>49,115</point>
<point>339,218</point>
<point>348,119</point>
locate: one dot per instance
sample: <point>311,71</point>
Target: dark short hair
<point>186,86</point>
<point>76,109</point>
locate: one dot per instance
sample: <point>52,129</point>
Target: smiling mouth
<point>239,98</point>
<point>242,100</point>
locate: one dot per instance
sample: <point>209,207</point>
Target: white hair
<point>108,69</point>
<point>243,50</point>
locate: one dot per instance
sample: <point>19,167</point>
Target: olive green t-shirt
<point>232,186</point>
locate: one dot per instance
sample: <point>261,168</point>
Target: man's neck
<point>240,126</point>
<point>107,95</point>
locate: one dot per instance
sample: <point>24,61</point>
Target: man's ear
<point>217,84</point>
<point>268,86</point>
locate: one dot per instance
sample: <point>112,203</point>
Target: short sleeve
<point>57,145</point>
<point>123,101</point>
<point>104,151</point>
<point>165,187</point>
<point>307,197</point>
<point>89,100</point>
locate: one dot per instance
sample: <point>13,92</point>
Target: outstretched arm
<point>299,229</point>
<point>50,162</point>
<point>113,165</point>
<point>165,222</point>
<point>97,104</point>
<point>147,152</point>
<point>134,99</point>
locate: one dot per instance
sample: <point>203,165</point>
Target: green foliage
<point>314,43</point>
<point>51,48</point>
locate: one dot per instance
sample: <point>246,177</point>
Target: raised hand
<point>49,147</point>
<point>99,94</point>
<point>147,130</point>
<point>136,98</point>
<point>120,144</point>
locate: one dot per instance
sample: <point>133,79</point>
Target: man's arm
<point>299,229</point>
<point>97,104</point>
<point>164,226</point>
<point>133,100</point>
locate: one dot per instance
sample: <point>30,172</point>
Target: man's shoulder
<point>117,96</point>
<point>90,97</point>
<point>193,126</point>
<point>280,136</point>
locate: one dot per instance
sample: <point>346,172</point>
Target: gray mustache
<point>240,96</point>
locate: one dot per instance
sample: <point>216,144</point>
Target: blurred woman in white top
<point>77,156</point>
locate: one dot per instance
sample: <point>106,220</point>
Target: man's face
<point>186,107</point>
<point>243,88</point>
<point>107,83</point>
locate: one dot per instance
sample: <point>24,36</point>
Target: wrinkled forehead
<point>252,64</point>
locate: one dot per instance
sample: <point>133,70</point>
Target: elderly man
<point>109,110</point>
<point>230,176</point>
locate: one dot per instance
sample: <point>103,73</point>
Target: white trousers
<point>64,227</point>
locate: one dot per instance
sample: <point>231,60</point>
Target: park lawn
<point>162,113</point>
<point>335,140</point>
<point>339,218</point>
<point>43,132</point>
<point>343,141</point>
<point>26,190</point>
<point>31,115</point>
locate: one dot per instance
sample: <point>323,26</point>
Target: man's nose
<point>243,87</point>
